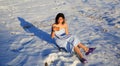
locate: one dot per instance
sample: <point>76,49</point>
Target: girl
<point>65,40</point>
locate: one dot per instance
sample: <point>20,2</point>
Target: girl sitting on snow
<point>65,40</point>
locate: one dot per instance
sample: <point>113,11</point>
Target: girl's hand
<point>56,28</point>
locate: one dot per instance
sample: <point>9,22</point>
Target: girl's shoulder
<point>65,25</point>
<point>54,25</point>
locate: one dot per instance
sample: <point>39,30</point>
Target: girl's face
<point>60,20</point>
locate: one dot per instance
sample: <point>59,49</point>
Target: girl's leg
<point>77,50</point>
<point>86,49</point>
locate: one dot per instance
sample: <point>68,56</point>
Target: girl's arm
<point>52,35</point>
<point>53,29</point>
<point>66,29</point>
<point>52,32</point>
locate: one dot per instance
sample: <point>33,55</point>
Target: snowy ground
<point>25,31</point>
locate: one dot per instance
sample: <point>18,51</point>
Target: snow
<point>25,28</point>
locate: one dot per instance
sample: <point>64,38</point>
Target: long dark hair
<point>58,16</point>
